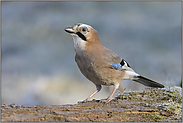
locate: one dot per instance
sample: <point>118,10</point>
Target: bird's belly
<point>99,74</point>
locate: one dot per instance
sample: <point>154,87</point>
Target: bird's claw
<point>105,100</point>
<point>84,101</point>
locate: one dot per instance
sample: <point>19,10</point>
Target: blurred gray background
<point>38,66</point>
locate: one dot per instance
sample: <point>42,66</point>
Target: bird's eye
<point>84,30</point>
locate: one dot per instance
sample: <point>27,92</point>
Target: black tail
<point>147,82</point>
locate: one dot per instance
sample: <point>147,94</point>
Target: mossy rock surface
<point>150,105</point>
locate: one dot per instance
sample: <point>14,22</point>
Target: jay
<point>101,65</point>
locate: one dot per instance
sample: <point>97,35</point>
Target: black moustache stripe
<point>81,36</point>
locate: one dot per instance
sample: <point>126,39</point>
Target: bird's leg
<point>110,97</point>
<point>98,88</point>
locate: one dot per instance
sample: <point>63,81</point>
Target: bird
<point>101,65</point>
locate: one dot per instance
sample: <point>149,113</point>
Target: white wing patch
<point>124,64</point>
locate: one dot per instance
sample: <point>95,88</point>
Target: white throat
<point>79,44</point>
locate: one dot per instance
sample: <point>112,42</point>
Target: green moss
<point>168,97</point>
<point>158,118</point>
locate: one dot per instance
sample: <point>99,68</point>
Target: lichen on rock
<point>168,99</point>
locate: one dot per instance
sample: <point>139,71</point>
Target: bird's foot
<point>84,101</point>
<point>105,100</point>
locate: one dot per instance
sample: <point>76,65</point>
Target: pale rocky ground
<point>149,105</point>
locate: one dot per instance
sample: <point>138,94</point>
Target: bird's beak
<point>70,30</point>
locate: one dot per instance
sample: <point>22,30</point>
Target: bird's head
<point>83,32</point>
